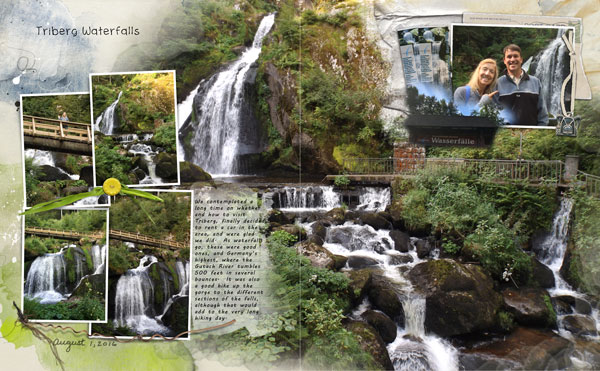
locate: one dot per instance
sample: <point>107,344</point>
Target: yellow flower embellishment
<point>111,186</point>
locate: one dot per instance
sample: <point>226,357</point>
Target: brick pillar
<point>408,157</point>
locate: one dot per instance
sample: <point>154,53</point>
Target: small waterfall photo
<point>57,147</point>
<point>537,98</point>
<point>65,256</point>
<point>134,124</point>
<point>149,267</point>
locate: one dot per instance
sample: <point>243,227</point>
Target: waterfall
<point>98,254</point>
<point>40,157</point>
<point>217,136</point>
<point>184,112</point>
<point>313,197</point>
<point>548,67</point>
<point>148,156</point>
<point>183,269</point>
<point>46,279</point>
<point>374,199</point>
<point>105,123</point>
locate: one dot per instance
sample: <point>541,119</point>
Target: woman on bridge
<point>63,117</point>
<point>480,89</point>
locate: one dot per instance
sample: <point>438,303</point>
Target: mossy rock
<point>370,341</point>
<point>190,173</point>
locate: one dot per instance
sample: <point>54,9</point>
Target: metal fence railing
<point>589,183</point>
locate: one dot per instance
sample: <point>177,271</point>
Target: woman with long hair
<point>480,89</point>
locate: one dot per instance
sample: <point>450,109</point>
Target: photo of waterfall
<point>149,269</point>
<point>544,56</point>
<point>65,275</point>
<point>134,127</point>
<point>57,145</point>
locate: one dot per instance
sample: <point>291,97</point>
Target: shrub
<point>341,181</point>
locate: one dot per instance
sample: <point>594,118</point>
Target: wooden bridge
<point>56,135</point>
<point>113,233</point>
<point>555,173</point>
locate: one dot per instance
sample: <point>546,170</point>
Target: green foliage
<point>414,209</point>
<point>35,246</point>
<point>341,181</point>
<point>450,247</point>
<point>69,220</point>
<point>77,106</point>
<point>84,309</point>
<point>506,321</point>
<point>551,320</point>
<point>283,238</point>
<point>110,163</point>
<point>165,136</point>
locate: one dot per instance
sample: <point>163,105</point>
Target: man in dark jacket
<point>519,93</point>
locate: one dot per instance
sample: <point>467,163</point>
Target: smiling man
<point>520,93</point>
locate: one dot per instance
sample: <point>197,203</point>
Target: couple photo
<point>522,81</point>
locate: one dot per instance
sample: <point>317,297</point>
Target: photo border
<point>107,234</point>
<point>190,295</point>
<point>489,25</point>
<point>177,144</point>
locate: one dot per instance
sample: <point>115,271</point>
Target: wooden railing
<point>532,171</point>
<point>57,129</point>
<point>145,240</point>
<point>115,234</point>
<point>589,183</point>
<point>67,235</point>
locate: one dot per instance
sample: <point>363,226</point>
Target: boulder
<point>400,259</point>
<point>176,316</point>
<point>401,240</point>
<point>580,305</point>
<point>87,175</point>
<point>383,324</point>
<point>190,173</point>
<point>542,275</point>
<point>370,341</point>
<point>294,230</point>
<point>359,262</point>
<point>319,256</point>
<point>359,283</point>
<point>375,220</point>
<point>460,298</point>
<point>335,216</point>
<point>74,190</point>
<point>525,348</point>
<point>384,295</point>
<point>51,173</point>
<point>93,284</point>
<point>580,325</point>
<point>315,239</point>
<point>319,228</point>
<point>277,218</point>
<point>166,166</point>
<point>394,210</point>
<point>529,306</point>
<point>424,248</point>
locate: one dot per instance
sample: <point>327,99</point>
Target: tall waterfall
<point>98,256</point>
<point>105,123</point>
<point>46,279</point>
<point>219,121</point>
<point>549,66</point>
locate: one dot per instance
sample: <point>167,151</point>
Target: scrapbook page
<point>299,185</point>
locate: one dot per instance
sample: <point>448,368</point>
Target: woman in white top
<point>479,90</point>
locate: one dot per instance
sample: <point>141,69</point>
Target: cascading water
<point>413,348</point>
<point>98,256</point>
<point>46,158</point>
<point>133,300</point>
<point>183,269</point>
<point>217,136</point>
<point>374,199</point>
<point>551,253</point>
<point>184,111</point>
<point>309,198</point>
<point>148,156</point>
<point>46,279</point>
<point>548,66</point>
<point>105,123</point>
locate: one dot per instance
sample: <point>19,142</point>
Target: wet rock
<point>529,306</point>
<point>74,190</point>
<point>401,240</point>
<point>411,355</point>
<point>580,305</point>
<point>375,220</point>
<point>319,256</point>
<point>277,218</point>
<point>542,275</point>
<point>176,315</point>
<point>561,306</point>
<point>580,325</point>
<point>370,341</point>
<point>476,361</point>
<point>335,216</point>
<point>528,348</point>
<point>319,228</point>
<point>383,324</point>
<point>94,284</point>
<point>166,166</point>
<point>190,173</point>
<point>424,248</point>
<point>359,283</point>
<point>51,173</point>
<point>385,296</point>
<point>359,262</point>
<point>400,259</point>
<point>87,175</point>
<point>315,239</point>
<point>460,298</point>
<point>139,162</point>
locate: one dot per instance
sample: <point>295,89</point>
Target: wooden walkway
<point>113,233</point>
<point>56,135</point>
